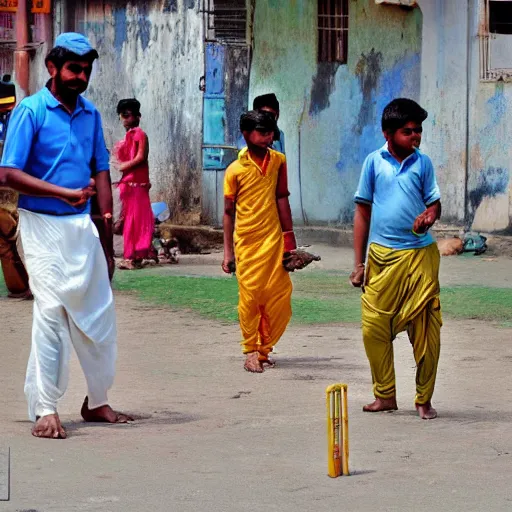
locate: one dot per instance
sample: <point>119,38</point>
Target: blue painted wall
<point>469,131</point>
<point>330,113</point>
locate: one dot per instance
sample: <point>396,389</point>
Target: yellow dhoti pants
<point>402,293</point>
<point>265,291</point>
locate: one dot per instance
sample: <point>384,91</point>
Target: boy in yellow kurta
<point>256,195</point>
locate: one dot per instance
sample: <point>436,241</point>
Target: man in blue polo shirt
<point>397,201</point>
<point>56,139</point>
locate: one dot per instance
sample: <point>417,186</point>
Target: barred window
<point>333,31</point>
<point>495,40</point>
<point>226,21</point>
<point>500,17</point>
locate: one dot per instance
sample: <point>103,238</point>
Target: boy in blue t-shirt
<point>397,202</point>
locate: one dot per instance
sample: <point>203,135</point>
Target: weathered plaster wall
<point>153,50</point>
<point>330,113</point>
<point>444,85</point>
<point>469,131</point>
<point>489,204</point>
<point>38,73</point>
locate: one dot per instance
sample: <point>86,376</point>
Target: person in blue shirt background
<point>397,201</point>
<point>268,103</point>
<point>54,147</point>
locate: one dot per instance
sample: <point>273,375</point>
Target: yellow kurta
<point>401,293</point>
<point>265,287</point>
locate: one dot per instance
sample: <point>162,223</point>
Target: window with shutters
<point>333,31</point>
<point>226,21</point>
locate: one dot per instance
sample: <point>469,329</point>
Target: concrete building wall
<point>444,88</point>
<point>153,50</point>
<point>469,131</point>
<point>490,140</point>
<point>38,73</point>
<point>330,113</point>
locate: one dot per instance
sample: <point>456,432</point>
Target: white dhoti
<point>73,305</point>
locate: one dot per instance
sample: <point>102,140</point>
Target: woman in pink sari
<point>137,215</point>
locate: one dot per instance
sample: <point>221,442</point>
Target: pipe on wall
<point>21,55</point>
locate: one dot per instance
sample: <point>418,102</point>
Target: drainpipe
<point>468,125</point>
<point>21,55</point>
<point>299,129</point>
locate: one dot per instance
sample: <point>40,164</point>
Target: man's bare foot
<point>426,411</point>
<point>23,296</point>
<point>253,364</point>
<point>381,404</point>
<point>103,414</point>
<point>49,427</point>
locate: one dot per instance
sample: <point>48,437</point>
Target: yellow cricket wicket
<point>337,430</point>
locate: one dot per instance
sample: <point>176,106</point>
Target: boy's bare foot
<point>426,411</point>
<point>268,361</point>
<point>253,364</point>
<point>381,404</point>
<point>49,427</point>
<point>103,414</point>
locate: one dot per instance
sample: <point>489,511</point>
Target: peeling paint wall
<point>490,134</point>
<point>444,86</point>
<point>470,128</point>
<point>330,113</point>
<point>153,50</point>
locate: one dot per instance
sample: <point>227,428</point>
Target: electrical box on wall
<point>408,3</point>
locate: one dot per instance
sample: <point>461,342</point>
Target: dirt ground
<point>214,438</point>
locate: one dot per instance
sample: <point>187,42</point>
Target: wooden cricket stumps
<point>337,430</point>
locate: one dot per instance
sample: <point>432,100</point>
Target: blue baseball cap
<point>76,43</point>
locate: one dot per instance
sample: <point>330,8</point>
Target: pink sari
<point>134,187</point>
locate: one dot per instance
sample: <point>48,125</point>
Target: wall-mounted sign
<point>41,6</point>
<point>8,5</point>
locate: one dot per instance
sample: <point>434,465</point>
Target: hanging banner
<point>41,6</point>
<point>8,5</point>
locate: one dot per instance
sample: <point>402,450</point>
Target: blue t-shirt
<point>398,193</point>
<point>47,142</point>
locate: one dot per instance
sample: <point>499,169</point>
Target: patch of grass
<point>319,297</point>
<point>477,302</point>
<point>3,288</point>
<point>316,300</point>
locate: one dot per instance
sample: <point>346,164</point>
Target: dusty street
<point>212,437</point>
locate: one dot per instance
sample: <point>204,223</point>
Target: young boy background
<point>397,201</point>
<point>268,103</point>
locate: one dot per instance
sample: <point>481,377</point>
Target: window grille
<point>333,31</point>
<point>496,41</point>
